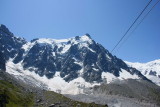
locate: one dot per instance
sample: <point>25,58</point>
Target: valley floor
<point>112,100</point>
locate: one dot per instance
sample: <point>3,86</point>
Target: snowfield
<point>58,84</point>
<point>150,69</point>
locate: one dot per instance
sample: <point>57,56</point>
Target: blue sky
<point>105,20</point>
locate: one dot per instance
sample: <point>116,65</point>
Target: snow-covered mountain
<point>69,66</point>
<point>150,69</point>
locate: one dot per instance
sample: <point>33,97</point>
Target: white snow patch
<point>85,38</point>
<point>81,71</point>
<point>27,46</point>
<point>154,79</point>
<point>53,53</point>
<point>108,76</point>
<point>108,57</point>
<point>45,40</point>
<point>91,50</point>
<point>67,88</point>
<point>95,69</point>
<point>24,75</point>
<point>79,63</point>
<point>61,40</point>
<point>66,48</point>
<point>126,75</point>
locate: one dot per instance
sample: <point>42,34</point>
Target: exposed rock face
<point>2,62</point>
<point>9,44</point>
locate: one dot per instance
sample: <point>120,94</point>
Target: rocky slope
<point>124,93</point>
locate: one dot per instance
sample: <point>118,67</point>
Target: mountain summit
<point>64,64</point>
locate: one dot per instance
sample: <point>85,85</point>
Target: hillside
<point>18,94</point>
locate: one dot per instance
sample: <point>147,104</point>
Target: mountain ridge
<point>78,61</point>
<point>150,69</point>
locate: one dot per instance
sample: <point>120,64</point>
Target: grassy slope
<point>14,96</point>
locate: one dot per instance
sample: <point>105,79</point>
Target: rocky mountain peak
<point>4,29</point>
<point>73,58</point>
<point>86,38</point>
<point>88,35</point>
